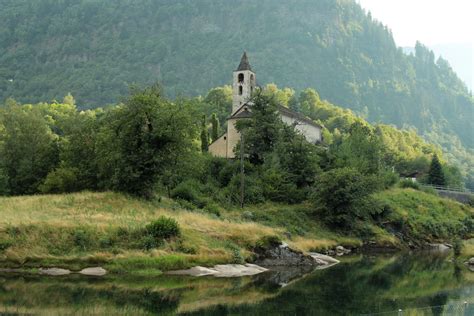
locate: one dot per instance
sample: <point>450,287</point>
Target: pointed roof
<point>244,63</point>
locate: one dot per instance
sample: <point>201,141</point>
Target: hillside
<point>96,48</point>
<point>82,229</point>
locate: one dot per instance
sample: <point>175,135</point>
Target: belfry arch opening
<point>241,78</point>
<point>241,90</point>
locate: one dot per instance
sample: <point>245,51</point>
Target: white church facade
<point>244,84</point>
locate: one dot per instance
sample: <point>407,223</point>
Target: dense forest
<point>96,49</point>
<point>150,143</point>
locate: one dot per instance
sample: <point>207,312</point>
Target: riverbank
<point>76,231</point>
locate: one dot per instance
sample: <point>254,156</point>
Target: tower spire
<point>244,63</point>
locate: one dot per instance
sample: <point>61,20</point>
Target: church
<point>244,83</point>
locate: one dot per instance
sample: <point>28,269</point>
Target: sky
<point>445,26</point>
<point>432,22</point>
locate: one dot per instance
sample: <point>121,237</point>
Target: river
<point>418,284</point>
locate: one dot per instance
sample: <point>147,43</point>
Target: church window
<point>241,78</point>
<point>241,90</point>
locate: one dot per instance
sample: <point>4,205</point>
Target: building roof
<point>243,112</point>
<point>244,63</point>
<point>300,117</point>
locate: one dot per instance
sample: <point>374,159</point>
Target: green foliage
<point>262,129</point>
<point>81,239</point>
<point>61,180</point>
<point>457,247</point>
<point>142,139</point>
<point>423,217</point>
<point>28,149</point>
<point>435,174</point>
<point>163,228</point>
<point>409,184</point>
<point>215,127</point>
<point>349,57</point>
<point>267,242</point>
<point>204,135</point>
<point>343,196</point>
<point>189,191</point>
<point>5,244</point>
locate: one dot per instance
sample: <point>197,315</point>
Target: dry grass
<point>47,222</point>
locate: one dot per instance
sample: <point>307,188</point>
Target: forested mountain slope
<point>96,48</point>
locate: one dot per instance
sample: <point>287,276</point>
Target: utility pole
<point>242,171</point>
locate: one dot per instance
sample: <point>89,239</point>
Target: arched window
<point>252,79</point>
<point>241,77</point>
<point>241,90</point>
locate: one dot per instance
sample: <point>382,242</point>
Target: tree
<point>343,196</point>
<point>142,140</point>
<point>215,127</point>
<point>28,149</point>
<point>361,150</point>
<point>204,135</point>
<point>436,174</point>
<point>262,130</point>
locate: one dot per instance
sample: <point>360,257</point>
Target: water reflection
<point>359,285</point>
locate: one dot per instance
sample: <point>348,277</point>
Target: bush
<point>343,196</point>
<point>149,242</point>
<point>61,180</point>
<point>5,244</point>
<point>268,242</point>
<point>163,228</point>
<point>457,247</point>
<point>409,184</point>
<point>189,191</point>
<point>81,239</point>
<point>212,208</point>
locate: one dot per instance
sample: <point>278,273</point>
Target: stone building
<point>244,83</point>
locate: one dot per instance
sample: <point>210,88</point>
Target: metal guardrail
<point>461,309</point>
<point>447,188</point>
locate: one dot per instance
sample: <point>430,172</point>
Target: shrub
<point>343,196</point>
<point>5,244</point>
<point>163,228</point>
<point>237,257</point>
<point>61,180</point>
<point>409,184</point>
<point>213,209</point>
<point>149,242</point>
<point>268,242</point>
<point>81,239</point>
<point>189,191</point>
<point>457,247</point>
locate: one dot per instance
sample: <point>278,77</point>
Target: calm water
<point>360,285</point>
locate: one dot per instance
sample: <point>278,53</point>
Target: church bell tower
<point>244,82</point>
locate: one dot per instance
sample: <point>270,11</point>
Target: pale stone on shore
<point>222,271</point>
<point>96,271</point>
<point>54,271</point>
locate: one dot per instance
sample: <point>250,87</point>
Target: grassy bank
<point>84,229</point>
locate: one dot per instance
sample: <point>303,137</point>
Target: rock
<point>342,250</point>
<point>471,261</point>
<point>96,271</point>
<point>222,270</point>
<point>54,271</point>
<point>438,247</point>
<point>194,271</point>
<point>282,255</point>
<point>327,259</point>
<point>237,270</point>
